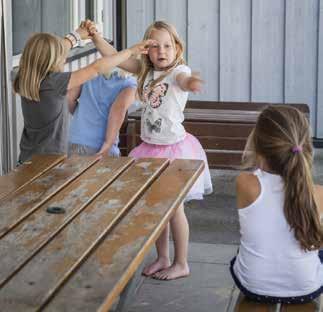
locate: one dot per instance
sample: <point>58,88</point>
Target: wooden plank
<point>193,114</point>
<point>140,14</point>
<point>235,50</point>
<point>110,267</point>
<point>214,142</point>
<point>245,305</point>
<point>237,130</point>
<point>203,45</point>
<point>307,307</point>
<point>225,114</point>
<point>301,53</point>
<point>221,129</point>
<point>27,172</point>
<point>14,208</point>
<point>39,278</point>
<point>319,117</point>
<point>245,106</point>
<point>21,243</point>
<point>223,159</point>
<point>267,50</point>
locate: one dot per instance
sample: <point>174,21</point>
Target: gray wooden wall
<point>246,50</point>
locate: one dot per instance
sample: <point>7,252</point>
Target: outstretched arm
<point>192,83</point>
<point>117,114</point>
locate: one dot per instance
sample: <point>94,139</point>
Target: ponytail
<point>300,208</point>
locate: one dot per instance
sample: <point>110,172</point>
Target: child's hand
<point>89,27</point>
<point>103,150</point>
<point>142,47</point>
<point>194,83</point>
<point>83,33</point>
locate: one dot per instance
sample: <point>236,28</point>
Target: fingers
<point>98,156</point>
<point>149,42</point>
<point>89,26</point>
<point>145,45</point>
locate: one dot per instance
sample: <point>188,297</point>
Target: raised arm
<point>117,114</point>
<point>105,64</point>
<point>131,65</point>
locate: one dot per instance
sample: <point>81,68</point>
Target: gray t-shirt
<point>46,122</point>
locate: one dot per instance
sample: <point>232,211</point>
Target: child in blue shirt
<point>99,114</point>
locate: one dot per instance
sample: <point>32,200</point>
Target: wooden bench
<point>83,257</point>
<point>245,305</point>
<point>221,127</point>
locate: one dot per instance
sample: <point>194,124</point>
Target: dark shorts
<point>270,299</point>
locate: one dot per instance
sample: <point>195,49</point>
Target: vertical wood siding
<point>247,50</point>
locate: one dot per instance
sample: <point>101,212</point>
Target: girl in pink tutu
<point>163,85</point>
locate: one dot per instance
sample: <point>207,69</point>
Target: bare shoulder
<point>318,193</point>
<point>247,189</point>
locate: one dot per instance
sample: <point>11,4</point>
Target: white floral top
<point>162,116</point>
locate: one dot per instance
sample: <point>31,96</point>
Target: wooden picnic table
<point>109,212</point>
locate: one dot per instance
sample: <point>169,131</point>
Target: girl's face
<point>163,53</point>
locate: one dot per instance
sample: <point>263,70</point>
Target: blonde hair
<point>282,137</point>
<point>43,53</point>
<point>146,64</point>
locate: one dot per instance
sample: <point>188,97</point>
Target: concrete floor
<point>214,237</point>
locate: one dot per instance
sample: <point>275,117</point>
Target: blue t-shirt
<point>89,122</point>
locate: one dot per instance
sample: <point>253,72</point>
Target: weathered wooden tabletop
<point>81,259</point>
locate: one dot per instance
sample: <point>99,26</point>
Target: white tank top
<point>270,260</point>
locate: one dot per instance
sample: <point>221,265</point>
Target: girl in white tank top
<point>279,206</point>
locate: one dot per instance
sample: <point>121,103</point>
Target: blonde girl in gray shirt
<point>43,87</point>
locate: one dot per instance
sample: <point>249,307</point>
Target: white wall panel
<point>267,83</point>
<point>301,53</point>
<point>203,45</point>
<point>235,50</point>
<point>140,14</point>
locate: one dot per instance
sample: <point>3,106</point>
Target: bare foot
<point>173,272</point>
<point>159,264</point>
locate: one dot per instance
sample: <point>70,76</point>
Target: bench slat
<point>245,305</point>
<point>27,172</point>
<point>307,307</point>
<point>224,159</point>
<point>233,130</point>
<point>39,278</point>
<point>15,207</point>
<point>111,266</point>
<point>35,231</point>
<point>216,143</point>
<point>251,106</point>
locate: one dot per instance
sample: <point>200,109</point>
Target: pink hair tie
<point>297,149</point>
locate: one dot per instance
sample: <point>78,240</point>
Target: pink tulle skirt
<point>189,148</point>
